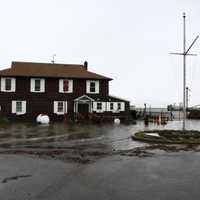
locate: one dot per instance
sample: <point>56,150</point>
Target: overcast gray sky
<point>127,40</point>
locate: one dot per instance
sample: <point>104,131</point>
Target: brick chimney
<point>85,65</point>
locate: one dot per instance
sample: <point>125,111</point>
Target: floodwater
<point>58,135</point>
<point>162,175</point>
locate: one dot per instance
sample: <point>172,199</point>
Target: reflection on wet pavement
<point>60,135</point>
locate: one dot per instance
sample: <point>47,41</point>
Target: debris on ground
<point>7,179</point>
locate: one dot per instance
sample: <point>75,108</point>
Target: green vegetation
<point>169,136</point>
<point>4,120</point>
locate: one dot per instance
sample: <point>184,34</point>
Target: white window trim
<point>115,107</point>
<point>103,107</point>
<point>122,106</point>
<point>61,84</point>
<point>3,84</point>
<point>111,103</point>
<point>14,104</point>
<point>116,110</point>
<point>119,107</point>
<point>96,86</point>
<point>55,108</point>
<point>108,106</point>
<point>100,106</point>
<point>42,85</point>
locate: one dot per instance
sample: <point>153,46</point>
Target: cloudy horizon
<point>129,41</point>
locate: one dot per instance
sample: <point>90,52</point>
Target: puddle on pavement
<point>60,135</point>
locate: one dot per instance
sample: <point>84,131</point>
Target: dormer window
<point>37,85</point>
<point>92,87</point>
<point>8,84</point>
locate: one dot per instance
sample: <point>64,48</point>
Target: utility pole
<point>150,110</point>
<point>187,97</point>
<point>145,109</point>
<point>184,54</point>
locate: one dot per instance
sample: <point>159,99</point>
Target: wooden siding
<point>52,89</point>
<point>43,102</point>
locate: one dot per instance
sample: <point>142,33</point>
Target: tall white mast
<point>184,71</point>
<point>184,54</point>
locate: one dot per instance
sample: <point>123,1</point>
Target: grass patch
<point>169,136</point>
<point>4,121</point>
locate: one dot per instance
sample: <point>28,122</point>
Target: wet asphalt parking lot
<point>159,175</point>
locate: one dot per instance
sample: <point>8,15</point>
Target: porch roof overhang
<point>83,98</point>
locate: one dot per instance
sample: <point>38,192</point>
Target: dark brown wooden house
<point>28,89</point>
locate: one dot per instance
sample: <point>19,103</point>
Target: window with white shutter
<point>65,86</point>
<point>19,107</point>
<point>8,84</point>
<point>92,87</point>
<point>122,106</point>
<point>118,107</point>
<point>99,107</point>
<point>111,106</point>
<point>60,107</point>
<point>37,85</point>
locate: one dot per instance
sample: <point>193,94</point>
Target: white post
<point>184,71</point>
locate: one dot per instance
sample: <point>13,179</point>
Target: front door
<point>83,109</point>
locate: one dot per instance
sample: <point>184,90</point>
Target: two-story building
<point>28,89</point>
